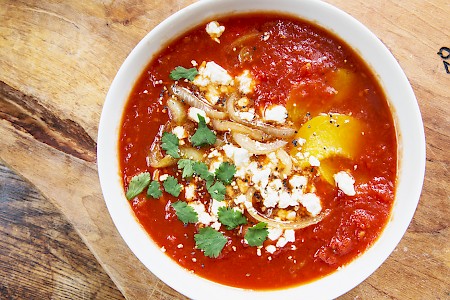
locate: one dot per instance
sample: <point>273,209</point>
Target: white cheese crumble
<point>163,177</point>
<point>312,203</point>
<point>271,249</point>
<point>213,80</point>
<point>298,182</point>
<point>180,132</point>
<point>247,115</point>
<point>189,192</point>
<point>203,216</point>
<point>274,233</point>
<point>193,113</point>
<point>212,73</point>
<point>276,113</point>
<point>345,183</point>
<point>313,161</point>
<point>240,156</point>
<point>245,82</point>
<point>215,30</point>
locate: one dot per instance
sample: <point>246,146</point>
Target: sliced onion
<point>303,223</point>
<point>185,95</point>
<point>221,125</point>
<point>245,39</point>
<point>155,158</point>
<point>281,132</point>
<point>286,160</point>
<point>192,153</point>
<point>256,147</point>
<point>177,111</point>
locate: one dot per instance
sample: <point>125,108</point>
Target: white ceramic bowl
<point>410,134</point>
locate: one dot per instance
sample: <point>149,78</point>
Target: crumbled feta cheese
<point>313,161</point>
<point>275,113</point>
<point>213,80</point>
<point>180,132</point>
<point>216,225</point>
<point>240,199</point>
<point>246,83</point>
<point>271,249</point>
<point>189,191</point>
<point>215,164</point>
<point>216,205</point>
<point>215,30</point>
<point>286,200</point>
<point>289,234</point>
<point>163,177</point>
<point>298,182</point>
<point>247,115</point>
<point>281,242</point>
<point>345,182</point>
<point>212,73</point>
<point>240,156</point>
<point>274,233</point>
<point>193,113</point>
<point>260,177</point>
<point>203,216</point>
<point>312,203</point>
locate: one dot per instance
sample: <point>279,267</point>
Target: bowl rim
<point>408,121</point>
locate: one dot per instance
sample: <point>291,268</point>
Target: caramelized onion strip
<point>280,132</point>
<point>302,223</point>
<point>185,95</point>
<point>256,147</point>
<point>221,125</point>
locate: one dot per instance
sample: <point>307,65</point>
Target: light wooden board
<point>57,60</point>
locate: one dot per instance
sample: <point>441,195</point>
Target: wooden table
<point>57,60</point>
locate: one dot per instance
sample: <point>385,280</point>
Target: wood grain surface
<point>57,60</point>
<point>41,255</point>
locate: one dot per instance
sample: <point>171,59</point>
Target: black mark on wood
<point>26,114</point>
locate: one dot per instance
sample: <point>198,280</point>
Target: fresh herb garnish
<point>185,213</point>
<point>203,135</point>
<point>171,186</point>
<point>225,172</point>
<point>180,72</point>
<point>154,190</point>
<point>188,167</point>
<point>201,169</point>
<point>210,241</point>
<point>230,217</point>
<point>170,143</point>
<point>216,190</point>
<point>137,184</point>
<point>257,234</point>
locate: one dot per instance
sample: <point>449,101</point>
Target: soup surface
<point>258,151</point>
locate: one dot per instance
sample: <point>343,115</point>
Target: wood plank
<point>58,59</point>
<point>41,255</point>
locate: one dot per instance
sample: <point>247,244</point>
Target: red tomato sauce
<point>291,65</point>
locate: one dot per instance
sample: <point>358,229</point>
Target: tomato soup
<point>258,151</point>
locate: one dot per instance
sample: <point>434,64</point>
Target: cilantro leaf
<point>188,167</point>
<point>185,213</point>
<point>230,217</point>
<point>225,172</point>
<point>154,190</point>
<point>216,190</point>
<point>210,241</point>
<point>257,234</point>
<point>137,184</point>
<point>180,72</point>
<point>201,169</point>
<point>203,135</point>
<point>170,143</point>
<point>171,186</point>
